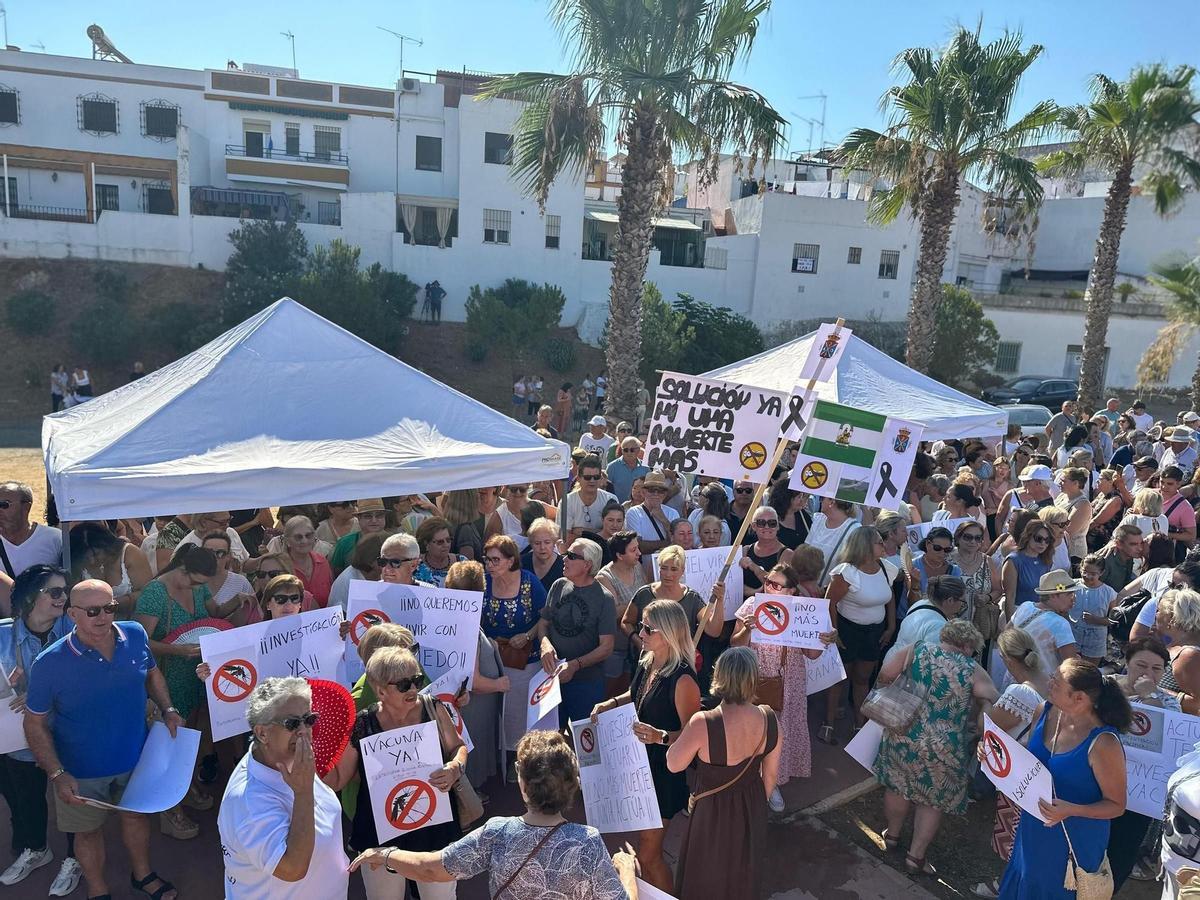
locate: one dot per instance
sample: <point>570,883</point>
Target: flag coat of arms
<point>855,455</point>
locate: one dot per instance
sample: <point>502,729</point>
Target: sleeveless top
<point>749,579</point>
<point>1168,682</point>
<point>512,525</point>
<point>1030,569</point>
<point>123,588</point>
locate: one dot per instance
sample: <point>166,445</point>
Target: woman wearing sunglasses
<point>1024,567</point>
<point>311,567</point>
<point>397,679</point>
<point>507,517</point>
<point>981,576</point>
<point>767,550</point>
<point>433,541</point>
<point>270,568</point>
<point>39,598</point>
<point>281,828</point>
<point>231,592</point>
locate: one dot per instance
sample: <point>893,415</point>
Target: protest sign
<point>1016,773</point>
<point>828,344</point>
<point>1155,741</point>
<point>306,646</point>
<point>397,765</point>
<point>781,621</point>
<point>12,724</point>
<point>615,779</point>
<point>825,671</point>
<point>545,694</point>
<point>917,533</point>
<point>446,690</point>
<point>713,427</point>
<point>163,772</point>
<point>864,746</point>
<point>444,622</point>
<point>703,567</point>
<point>855,455</point>
<point>647,891</point>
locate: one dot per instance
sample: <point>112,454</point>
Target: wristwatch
<point>666,737</point>
<point>171,709</point>
<point>59,771</point>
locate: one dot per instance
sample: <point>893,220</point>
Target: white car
<point>1032,418</point>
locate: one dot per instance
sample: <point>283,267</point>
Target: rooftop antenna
<point>291,37</point>
<point>402,38</point>
<point>823,97</point>
<point>39,46</point>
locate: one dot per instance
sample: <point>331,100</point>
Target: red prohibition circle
<point>1141,724</point>
<point>234,680</point>
<point>542,691</point>
<point>995,755</point>
<point>364,620</point>
<point>771,617</point>
<point>409,793</point>
<point>587,740</point>
<point>448,700</point>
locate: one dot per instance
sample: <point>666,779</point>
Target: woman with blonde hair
<point>1177,624</point>
<point>461,510</point>
<point>666,695</point>
<point>1147,513</point>
<point>670,586</point>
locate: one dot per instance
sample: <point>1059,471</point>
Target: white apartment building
<point>130,162</point>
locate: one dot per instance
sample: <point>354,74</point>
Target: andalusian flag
<point>855,455</point>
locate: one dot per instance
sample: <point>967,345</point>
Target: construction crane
<point>102,47</point>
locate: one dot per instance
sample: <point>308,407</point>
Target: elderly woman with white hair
<point>281,828</point>
<point>399,557</point>
<point>1177,624</point>
<point>299,539</point>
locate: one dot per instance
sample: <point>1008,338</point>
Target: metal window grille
<point>326,141</point>
<point>158,199</point>
<point>715,257</point>
<point>98,114</point>
<point>108,197</point>
<point>291,139</point>
<point>854,257</point>
<point>553,231</point>
<point>10,106</point>
<point>496,225</point>
<point>804,258</point>
<point>1008,356</point>
<point>160,120</point>
<point>429,153</point>
<point>497,148</point>
<point>329,213</point>
<point>889,263</point>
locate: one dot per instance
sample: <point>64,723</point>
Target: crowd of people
<point>1054,582</point>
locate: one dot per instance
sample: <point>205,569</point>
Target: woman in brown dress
<point>736,749</point>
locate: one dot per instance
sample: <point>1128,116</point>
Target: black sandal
<point>153,876</point>
<point>916,865</point>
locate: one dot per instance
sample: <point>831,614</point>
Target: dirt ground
<point>962,851</point>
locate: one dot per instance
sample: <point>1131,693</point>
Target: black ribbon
<point>795,408</point>
<point>885,482</point>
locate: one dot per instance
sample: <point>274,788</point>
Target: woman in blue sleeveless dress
<point>1076,738</point>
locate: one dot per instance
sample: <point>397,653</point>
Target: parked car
<point>1031,417</point>
<point>1039,389</point>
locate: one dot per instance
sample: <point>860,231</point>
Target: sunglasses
<point>272,574</point>
<point>285,599</point>
<point>643,628</point>
<point>293,723</point>
<point>93,611</point>
<point>220,554</point>
<point>743,490</point>
<point>589,477</point>
<point>970,538</point>
<point>1039,539</point>
<point>54,593</point>
<point>518,490</point>
<point>404,685</point>
<point>766,523</point>
<point>629,449</point>
<point>494,560</point>
<point>384,563</point>
<point>778,585</point>
<point>571,554</point>
<point>940,548</point>
<point>653,490</point>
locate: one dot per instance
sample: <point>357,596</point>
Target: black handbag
<point>1125,615</point>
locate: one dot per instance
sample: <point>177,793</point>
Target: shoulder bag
<point>540,844</point>
<point>770,689</point>
<point>1087,885</point>
<point>895,706</point>
<point>470,807</point>
<point>829,563</point>
<point>7,562</point>
<point>693,799</point>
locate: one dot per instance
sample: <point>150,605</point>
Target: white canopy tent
<point>285,408</point>
<point>867,378</point>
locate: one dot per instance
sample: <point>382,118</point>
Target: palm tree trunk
<point>937,218</point>
<point>1098,300</point>
<point>641,194</point>
<point>1196,386</point>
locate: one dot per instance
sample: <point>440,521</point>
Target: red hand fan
<point>331,734</point>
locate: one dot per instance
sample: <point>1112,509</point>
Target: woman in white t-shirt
<point>1047,622</point>
<point>830,529</point>
<point>863,610</point>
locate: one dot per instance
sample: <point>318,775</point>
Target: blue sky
<point>842,50</point>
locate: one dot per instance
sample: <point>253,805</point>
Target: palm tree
<point>1182,283</point>
<point>949,121</point>
<point>1134,124</point>
<point>653,75</point>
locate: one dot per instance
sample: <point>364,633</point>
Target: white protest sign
<point>864,746</point>
<point>444,622</point>
<point>1155,741</point>
<point>447,689</point>
<point>163,772</point>
<point>917,533</point>
<point>703,567</point>
<point>828,344</point>
<point>12,724</point>
<point>825,671</point>
<point>1016,773</point>
<point>545,694</point>
<point>713,428</point>
<point>646,891</point>
<point>398,764</point>
<point>614,773</point>
<point>305,645</point>
<point>783,621</point>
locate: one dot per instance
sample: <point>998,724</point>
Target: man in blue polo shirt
<point>624,470</point>
<point>86,723</point>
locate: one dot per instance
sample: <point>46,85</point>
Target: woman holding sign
<point>396,678</point>
<point>666,694</point>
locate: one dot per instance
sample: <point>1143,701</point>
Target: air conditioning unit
<point>410,86</point>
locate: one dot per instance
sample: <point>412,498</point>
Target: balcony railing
<point>324,157</point>
<point>48,213</point>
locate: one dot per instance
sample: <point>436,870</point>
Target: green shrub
<point>180,326</point>
<point>112,284</point>
<point>477,349</point>
<point>103,332</point>
<point>31,312</point>
<point>514,317</point>
<point>559,354</point>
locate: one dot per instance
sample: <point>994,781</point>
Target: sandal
<point>165,886</point>
<point>916,865</point>
<point>197,799</point>
<point>825,735</point>
<point>173,823</point>
<point>890,843</point>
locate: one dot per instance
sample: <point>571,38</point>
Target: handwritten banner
<point>713,427</point>
<point>783,621</point>
<point>446,690</point>
<point>824,671</point>
<point>1016,773</point>
<point>305,646</point>
<point>614,773</point>
<point>444,622</point>
<point>398,764</point>
<point>703,567</point>
<point>1155,741</point>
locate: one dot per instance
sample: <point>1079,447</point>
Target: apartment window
<point>327,141</point>
<point>12,193</point>
<point>497,148</point>
<point>98,114</point>
<point>889,263</point>
<point>10,107</point>
<point>429,153</point>
<point>329,213</point>
<point>160,120</point>
<point>553,231</point>
<point>854,257</point>
<point>1008,357</point>
<point>159,200</point>
<point>291,139</point>
<point>804,258</point>
<point>107,197</point>
<point>496,225</point>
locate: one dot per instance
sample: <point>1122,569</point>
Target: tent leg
<point>66,547</point>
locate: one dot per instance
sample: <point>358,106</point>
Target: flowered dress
<point>928,764</point>
<point>185,688</point>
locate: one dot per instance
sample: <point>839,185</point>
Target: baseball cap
<point>1036,473</point>
<point>1191,416</point>
<point>1145,462</point>
<point>597,420</point>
